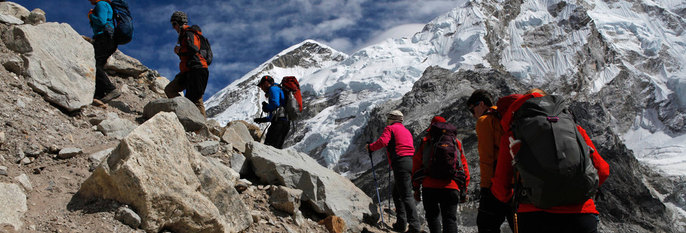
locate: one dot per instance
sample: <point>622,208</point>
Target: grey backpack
<point>553,164</point>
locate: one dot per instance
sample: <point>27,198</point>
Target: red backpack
<point>294,99</point>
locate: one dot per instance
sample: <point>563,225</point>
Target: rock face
<point>14,9</point>
<point>125,65</point>
<point>237,134</point>
<point>58,62</point>
<point>156,171</point>
<point>13,202</point>
<point>323,189</point>
<point>189,115</point>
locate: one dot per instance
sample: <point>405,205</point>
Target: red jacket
<point>430,182</point>
<point>397,140</point>
<point>502,182</point>
<point>189,52</point>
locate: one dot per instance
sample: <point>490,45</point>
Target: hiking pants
<point>441,209</point>
<point>277,132</point>
<point>194,82</point>
<point>492,213</point>
<point>562,223</point>
<point>403,198</point>
<point>104,46</point>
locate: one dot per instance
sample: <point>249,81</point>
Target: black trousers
<point>277,132</point>
<point>194,82</point>
<point>441,209</point>
<point>104,46</point>
<point>492,213</point>
<point>403,198</point>
<point>534,222</point>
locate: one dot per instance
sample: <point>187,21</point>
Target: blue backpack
<point>123,23</point>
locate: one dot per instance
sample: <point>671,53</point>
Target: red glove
<point>90,12</point>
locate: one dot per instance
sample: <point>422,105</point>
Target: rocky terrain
<point>141,163</point>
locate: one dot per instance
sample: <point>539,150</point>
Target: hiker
<point>280,125</point>
<point>101,21</point>
<point>492,212</point>
<point>567,206</point>
<point>193,73</point>
<point>399,150</point>
<point>440,188</point>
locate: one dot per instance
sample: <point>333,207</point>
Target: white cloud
<point>407,30</point>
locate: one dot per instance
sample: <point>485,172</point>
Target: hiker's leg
<point>403,175</point>
<point>535,222</point>
<point>581,223</point>
<point>448,204</point>
<point>272,135</point>
<point>490,215</point>
<point>285,127</point>
<point>431,209</point>
<point>103,47</point>
<point>175,86</point>
<point>401,222</point>
<point>196,82</point>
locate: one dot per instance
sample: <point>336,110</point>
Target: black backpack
<point>553,164</point>
<point>205,48</point>
<point>123,23</point>
<point>442,159</point>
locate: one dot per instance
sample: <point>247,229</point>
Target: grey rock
<point>3,171</point>
<point>97,157</point>
<point>10,19</point>
<point>242,185</point>
<point>325,190</point>
<point>13,63</point>
<point>70,152</point>
<point>157,162</point>
<point>187,113</point>
<point>215,127</point>
<point>125,65</point>
<point>298,218</point>
<point>14,9</point>
<point>23,179</point>
<point>207,147</point>
<point>37,16</point>
<point>26,160</point>
<point>127,216</point>
<point>238,163</point>
<point>121,105</point>
<point>117,127</point>
<point>2,137</point>
<point>285,199</point>
<point>13,202</point>
<point>237,134</point>
<point>159,84</point>
<point>60,64</point>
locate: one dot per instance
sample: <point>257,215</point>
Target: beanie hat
<point>266,78</point>
<point>395,115</point>
<point>437,119</point>
<point>179,17</point>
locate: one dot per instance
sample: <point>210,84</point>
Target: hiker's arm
<point>191,47</point>
<point>487,144</point>
<point>382,141</point>
<point>417,162</point>
<point>598,162</point>
<point>502,180</point>
<point>99,16</point>
<point>273,100</point>
<point>465,166</point>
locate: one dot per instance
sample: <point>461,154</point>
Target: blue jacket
<point>101,19</point>
<point>276,99</point>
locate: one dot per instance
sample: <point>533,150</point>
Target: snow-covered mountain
<point>628,52</point>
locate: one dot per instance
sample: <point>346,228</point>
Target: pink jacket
<point>397,140</point>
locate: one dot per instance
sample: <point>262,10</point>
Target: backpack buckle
<point>552,119</point>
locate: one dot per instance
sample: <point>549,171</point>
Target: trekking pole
<point>376,186</point>
<point>388,195</point>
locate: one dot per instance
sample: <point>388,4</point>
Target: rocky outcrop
<point>14,9</point>
<point>237,134</point>
<point>13,202</point>
<point>125,65</point>
<point>58,63</point>
<point>187,113</point>
<point>324,190</point>
<point>156,171</point>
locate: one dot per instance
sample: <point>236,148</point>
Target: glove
<point>264,106</point>
<point>260,120</point>
<point>514,146</point>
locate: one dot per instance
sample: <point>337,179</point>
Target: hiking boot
<point>110,96</point>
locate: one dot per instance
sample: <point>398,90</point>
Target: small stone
<point>207,147</point>
<point>3,170</point>
<point>67,153</point>
<point>256,216</point>
<point>53,149</point>
<point>37,16</point>
<point>2,137</point>
<point>23,179</point>
<point>298,218</point>
<point>128,217</point>
<point>26,160</point>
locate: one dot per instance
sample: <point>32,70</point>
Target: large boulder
<point>237,134</point>
<point>14,9</point>
<point>157,172</point>
<point>13,202</point>
<point>185,110</point>
<point>324,190</point>
<point>125,65</point>
<point>116,127</point>
<point>59,63</point>
<point>10,19</point>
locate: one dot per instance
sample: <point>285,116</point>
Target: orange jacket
<point>488,131</point>
<point>189,53</point>
<point>429,182</point>
<point>502,182</point>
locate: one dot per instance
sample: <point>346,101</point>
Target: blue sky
<point>245,33</point>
